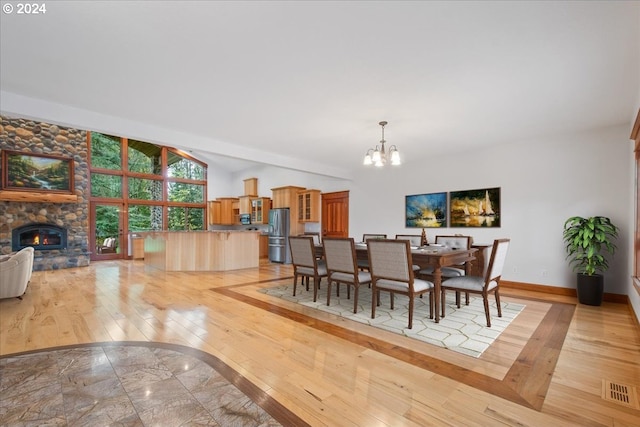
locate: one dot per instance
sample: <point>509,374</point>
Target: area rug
<point>463,330</point>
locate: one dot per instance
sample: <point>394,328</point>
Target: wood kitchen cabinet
<point>235,212</point>
<point>137,247</point>
<point>244,205</point>
<point>264,246</point>
<point>215,212</point>
<point>309,206</point>
<point>251,187</point>
<point>260,207</point>
<point>286,197</point>
<point>224,211</point>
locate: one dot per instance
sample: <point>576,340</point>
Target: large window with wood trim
<point>157,187</point>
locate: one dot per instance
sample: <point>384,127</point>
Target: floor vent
<point>620,393</point>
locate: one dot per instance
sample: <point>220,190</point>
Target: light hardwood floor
<point>546,369</point>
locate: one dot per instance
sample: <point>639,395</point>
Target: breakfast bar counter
<point>201,250</point>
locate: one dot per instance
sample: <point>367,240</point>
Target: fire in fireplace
<point>39,236</point>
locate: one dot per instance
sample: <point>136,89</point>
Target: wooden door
<point>335,214</point>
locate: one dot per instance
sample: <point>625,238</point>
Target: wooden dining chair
<point>414,239</point>
<point>451,242</point>
<point>342,267</point>
<point>317,242</point>
<point>363,264</point>
<point>490,283</point>
<point>366,237</point>
<point>391,270</point>
<point>315,235</point>
<point>305,263</point>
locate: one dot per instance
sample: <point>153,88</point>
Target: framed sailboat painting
<point>475,208</point>
<point>426,210</point>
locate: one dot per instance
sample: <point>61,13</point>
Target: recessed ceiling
<point>304,84</point>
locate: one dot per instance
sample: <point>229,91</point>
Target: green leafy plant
<point>586,239</point>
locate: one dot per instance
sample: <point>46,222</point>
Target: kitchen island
<point>201,250</point>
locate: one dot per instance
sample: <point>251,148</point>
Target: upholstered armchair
<point>15,273</point>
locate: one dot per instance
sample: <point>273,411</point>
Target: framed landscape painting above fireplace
<point>36,172</point>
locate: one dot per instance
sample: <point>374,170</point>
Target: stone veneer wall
<point>28,136</point>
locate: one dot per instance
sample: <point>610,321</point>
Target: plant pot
<point>590,289</point>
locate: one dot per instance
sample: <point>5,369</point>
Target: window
<point>144,217</point>
<point>144,157</point>
<point>186,218</point>
<point>159,187</point>
<point>182,192</point>
<point>180,167</point>
<point>106,185</point>
<point>106,151</point>
<point>145,189</point>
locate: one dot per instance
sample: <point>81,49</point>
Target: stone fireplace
<point>41,237</point>
<point>64,224</point>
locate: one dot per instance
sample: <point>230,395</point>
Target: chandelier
<point>379,156</point>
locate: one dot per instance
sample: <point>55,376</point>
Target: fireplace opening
<point>39,236</point>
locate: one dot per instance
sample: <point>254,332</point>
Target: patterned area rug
<point>463,330</point>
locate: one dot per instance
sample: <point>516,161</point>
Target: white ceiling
<point>304,84</point>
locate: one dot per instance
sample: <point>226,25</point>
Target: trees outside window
<point>160,188</point>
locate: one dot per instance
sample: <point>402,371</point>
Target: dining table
<point>434,256</point>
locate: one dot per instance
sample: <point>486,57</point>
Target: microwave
<point>245,219</point>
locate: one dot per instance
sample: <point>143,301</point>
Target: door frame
<point>122,236</point>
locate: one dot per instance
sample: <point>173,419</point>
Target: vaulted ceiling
<point>304,84</point>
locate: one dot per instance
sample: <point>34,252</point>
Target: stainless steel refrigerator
<point>279,235</point>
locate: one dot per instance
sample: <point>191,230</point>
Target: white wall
<point>223,184</point>
<point>543,182</point>
<point>219,182</point>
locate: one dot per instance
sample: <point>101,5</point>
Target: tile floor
<point>132,385</point>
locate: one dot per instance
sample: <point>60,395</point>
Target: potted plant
<point>587,240</point>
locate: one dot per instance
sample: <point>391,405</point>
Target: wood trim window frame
<point>164,177</point>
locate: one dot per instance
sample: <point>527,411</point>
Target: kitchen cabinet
<point>286,197</point>
<point>219,250</point>
<point>215,212</point>
<point>309,206</point>
<point>251,187</point>
<point>264,246</point>
<point>224,211</point>
<point>260,207</point>
<point>244,205</point>
<point>137,247</point>
<point>235,212</point>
